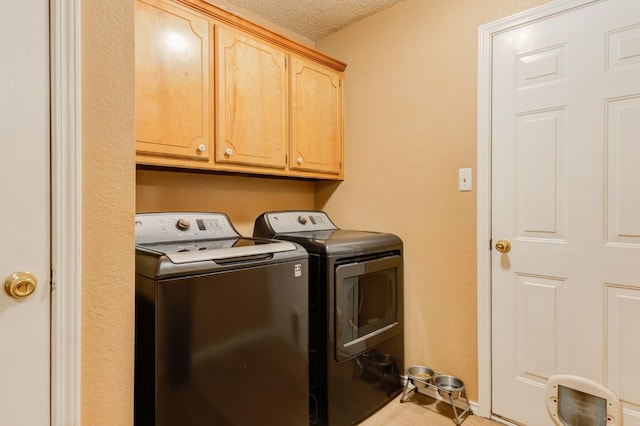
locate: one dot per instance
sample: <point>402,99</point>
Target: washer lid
<point>217,250</point>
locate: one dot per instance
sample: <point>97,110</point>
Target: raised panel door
<point>172,72</point>
<point>251,100</point>
<point>25,232</point>
<point>565,192</point>
<point>316,118</point>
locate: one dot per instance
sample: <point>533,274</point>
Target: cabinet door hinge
<point>286,159</point>
<point>490,244</point>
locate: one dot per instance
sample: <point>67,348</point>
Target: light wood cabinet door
<point>316,118</point>
<point>172,81</point>
<point>251,101</point>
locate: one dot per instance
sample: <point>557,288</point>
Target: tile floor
<point>420,409</point>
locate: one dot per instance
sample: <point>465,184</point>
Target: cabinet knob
<point>229,151</point>
<point>202,148</point>
<point>299,160</point>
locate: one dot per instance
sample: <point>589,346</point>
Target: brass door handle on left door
<point>20,285</point>
<point>503,246</point>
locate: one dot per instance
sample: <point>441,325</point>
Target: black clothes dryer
<point>356,338</point>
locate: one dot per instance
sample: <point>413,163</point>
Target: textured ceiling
<point>314,19</point>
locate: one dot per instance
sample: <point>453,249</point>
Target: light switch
<point>464,180</point>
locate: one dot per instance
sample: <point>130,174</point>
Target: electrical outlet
<point>464,180</point>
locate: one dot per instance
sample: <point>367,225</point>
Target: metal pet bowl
<point>383,361</point>
<point>449,385</point>
<point>420,375</point>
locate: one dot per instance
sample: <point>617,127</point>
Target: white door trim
<point>66,215</point>
<point>485,40</point>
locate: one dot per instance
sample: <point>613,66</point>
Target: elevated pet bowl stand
<point>445,393</point>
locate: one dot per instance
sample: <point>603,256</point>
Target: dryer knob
<point>182,224</point>
<point>302,220</point>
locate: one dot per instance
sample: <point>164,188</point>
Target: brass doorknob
<point>20,285</point>
<point>503,246</point>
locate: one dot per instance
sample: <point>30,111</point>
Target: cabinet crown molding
<point>261,32</point>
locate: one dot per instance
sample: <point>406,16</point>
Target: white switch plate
<point>464,180</point>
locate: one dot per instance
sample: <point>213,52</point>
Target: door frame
<point>66,214</point>
<point>485,40</point>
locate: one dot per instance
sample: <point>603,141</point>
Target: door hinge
<point>52,281</point>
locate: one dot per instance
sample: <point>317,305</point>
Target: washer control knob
<point>182,225</point>
<point>302,220</point>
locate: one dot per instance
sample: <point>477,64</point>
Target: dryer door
<point>366,308</point>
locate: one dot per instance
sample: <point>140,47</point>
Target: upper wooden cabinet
<point>217,92</point>
<point>316,118</point>
<point>251,101</point>
<point>172,81</point>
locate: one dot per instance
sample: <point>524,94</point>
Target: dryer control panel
<point>299,221</point>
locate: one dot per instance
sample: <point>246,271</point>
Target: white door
<point>566,195</point>
<point>24,217</point>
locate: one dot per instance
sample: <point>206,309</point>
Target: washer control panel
<point>299,221</point>
<point>165,227</point>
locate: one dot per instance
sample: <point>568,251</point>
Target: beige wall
<point>108,197</point>
<point>410,124</point>
<point>242,198</point>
